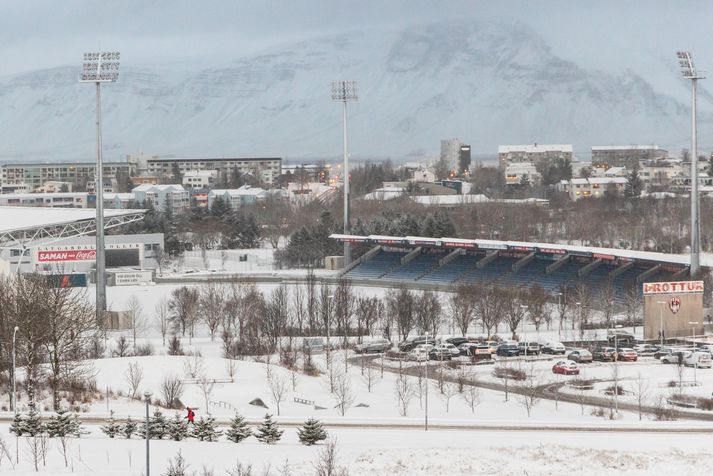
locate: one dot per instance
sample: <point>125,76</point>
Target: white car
<point>426,347</point>
<point>450,348</point>
<point>706,348</point>
<point>673,357</point>
<point>645,349</point>
<point>419,354</point>
<point>702,360</point>
<point>553,348</point>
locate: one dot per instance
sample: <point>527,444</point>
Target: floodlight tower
<point>100,68</point>
<point>689,72</point>
<point>345,91</point>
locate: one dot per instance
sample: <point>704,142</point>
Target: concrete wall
<point>675,324</point>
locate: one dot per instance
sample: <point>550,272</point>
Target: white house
<point>173,196</point>
<point>591,187</point>
<point>239,197</point>
<point>199,178</point>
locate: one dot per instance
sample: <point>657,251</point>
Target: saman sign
<point>677,287</point>
<point>56,256</point>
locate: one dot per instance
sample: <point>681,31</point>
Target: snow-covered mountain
<point>486,83</point>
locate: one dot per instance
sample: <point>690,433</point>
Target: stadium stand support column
<point>684,273</point>
<point>410,257</point>
<point>490,257</point>
<point>589,268</point>
<point>621,269</point>
<point>557,264</point>
<point>450,257</point>
<point>649,272</point>
<point>365,257</point>
<point>520,263</point>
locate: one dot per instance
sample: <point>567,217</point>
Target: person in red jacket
<point>191,415</point>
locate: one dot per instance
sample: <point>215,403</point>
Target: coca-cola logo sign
<point>66,255</point>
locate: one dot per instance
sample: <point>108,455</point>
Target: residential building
<point>144,180</point>
<point>683,183</point>
<point>301,193</point>
<point>199,198</point>
<point>118,201</point>
<point>35,175</point>
<point>266,169</point>
<point>661,172</point>
<point>422,175</point>
<point>48,200</point>
<point>517,173</point>
<point>13,188</point>
<point>629,156</point>
<point>591,187</point>
<point>535,154</point>
<point>55,187</point>
<point>199,179</point>
<point>308,172</point>
<point>240,197</point>
<point>165,197</point>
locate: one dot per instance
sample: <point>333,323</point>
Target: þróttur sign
<point>669,287</point>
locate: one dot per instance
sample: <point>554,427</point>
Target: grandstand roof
<point>22,225</point>
<point>595,252</point>
<point>534,148</point>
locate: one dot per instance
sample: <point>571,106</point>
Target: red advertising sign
<point>673,287</point>
<point>66,255</point>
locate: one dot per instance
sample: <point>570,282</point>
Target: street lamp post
<point>13,400</point>
<point>426,364</point>
<point>100,68</point>
<point>147,396</point>
<point>581,331</point>
<point>661,304</point>
<point>616,367</point>
<point>524,327</point>
<point>559,306</point>
<point>693,349</point>
<point>345,91</point>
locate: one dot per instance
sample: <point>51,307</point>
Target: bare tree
<point>162,314</point>
<point>606,298</point>
<point>471,395</point>
<point>641,392</point>
<point>278,388</point>
<point>367,312</point>
<point>183,305</point>
<point>344,304</point>
<point>275,316</point>
<point>633,304</point>
<point>536,302</point>
<point>171,390</point>
<point>312,301</point>
<point>134,375</point>
<point>462,304</point>
<point>369,376</point>
<point>404,392</point>
<point>490,308</point>
<point>193,365</point>
<point>400,304</point>
<point>135,313</point>
<point>327,464</point>
<point>448,391</point>
<point>162,259</point>
<point>514,307</point>
<point>206,386</point>
<point>529,395</point>
<point>343,393</point>
<point>212,305</point>
<point>583,295</point>
<point>232,367</point>
<point>428,311</point>
<point>298,305</point>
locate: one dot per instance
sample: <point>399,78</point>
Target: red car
<point>628,355</point>
<point>565,367</point>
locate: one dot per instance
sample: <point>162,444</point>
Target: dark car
<point>411,343</point>
<point>456,341</point>
<point>508,350</point>
<point>439,354</point>
<point>375,345</point>
<point>603,354</point>
<point>621,338</point>
<point>580,356</point>
<point>663,351</point>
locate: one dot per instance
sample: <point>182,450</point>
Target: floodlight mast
<point>100,68</point>
<point>345,91</point>
<point>688,70</point>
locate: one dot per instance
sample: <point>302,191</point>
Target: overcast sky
<point>44,33</point>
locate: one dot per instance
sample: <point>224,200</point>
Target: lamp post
<point>685,60</point>
<point>345,91</point>
<point>524,328</point>
<point>426,364</point>
<point>13,400</point>
<point>616,367</point>
<point>581,331</point>
<point>693,349</point>
<point>559,306</point>
<point>661,303</point>
<point>100,68</point>
<point>147,396</point>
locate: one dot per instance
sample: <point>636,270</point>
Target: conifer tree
<point>18,425</point>
<point>204,430</point>
<point>157,426</point>
<point>311,432</point>
<point>61,425</point>
<point>268,432</point>
<point>238,430</point>
<point>112,427</point>
<point>177,428</point>
<point>33,425</point>
<point>128,428</point>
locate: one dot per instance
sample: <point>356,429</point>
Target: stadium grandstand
<point>441,263</point>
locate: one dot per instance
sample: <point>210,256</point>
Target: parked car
<point>492,345</point>
<point>646,349</point>
<point>412,342</point>
<point>627,355</point>
<point>529,348</point>
<point>663,351</point>
<point>675,357</point>
<point>313,344</point>
<point>565,368</point>
<point>699,359</point>
<point>620,338</point>
<point>426,347</point>
<point>553,348</point>
<point>439,354</point>
<point>375,345</point>
<point>603,354</point>
<point>418,355</point>
<point>706,348</point>
<point>508,350</point>
<point>456,341</point>
<point>580,356</point>
<point>481,352</point>
<point>466,349</point>
<point>448,347</point>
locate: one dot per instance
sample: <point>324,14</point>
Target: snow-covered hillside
<point>487,83</point>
